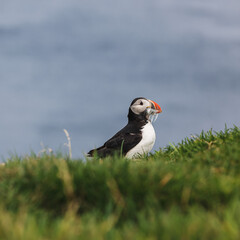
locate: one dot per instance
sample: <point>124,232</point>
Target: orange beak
<point>156,106</point>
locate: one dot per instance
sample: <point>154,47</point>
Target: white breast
<point>146,144</point>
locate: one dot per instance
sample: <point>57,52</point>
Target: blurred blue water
<point>78,65</point>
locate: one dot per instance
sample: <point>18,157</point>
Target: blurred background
<point>78,65</point>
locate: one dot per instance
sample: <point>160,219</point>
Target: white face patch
<point>140,106</point>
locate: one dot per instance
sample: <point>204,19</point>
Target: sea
<point>77,65</point>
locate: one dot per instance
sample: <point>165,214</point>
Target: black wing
<point>122,141</point>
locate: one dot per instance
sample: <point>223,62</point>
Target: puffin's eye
<point>141,103</point>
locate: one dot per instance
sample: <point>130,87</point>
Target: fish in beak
<point>155,107</point>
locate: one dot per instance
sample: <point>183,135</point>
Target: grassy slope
<point>187,191</point>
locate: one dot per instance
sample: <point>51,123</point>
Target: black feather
<point>126,138</point>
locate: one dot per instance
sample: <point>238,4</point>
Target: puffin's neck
<point>132,117</point>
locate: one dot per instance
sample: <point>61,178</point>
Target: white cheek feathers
<point>140,106</point>
<point>137,109</point>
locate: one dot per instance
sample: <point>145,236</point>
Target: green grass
<point>186,191</point>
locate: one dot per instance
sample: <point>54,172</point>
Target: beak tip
<point>157,107</point>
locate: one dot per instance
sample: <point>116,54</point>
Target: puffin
<point>137,138</point>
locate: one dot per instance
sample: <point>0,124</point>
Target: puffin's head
<point>143,108</point>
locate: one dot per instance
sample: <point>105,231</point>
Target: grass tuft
<point>188,190</point>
